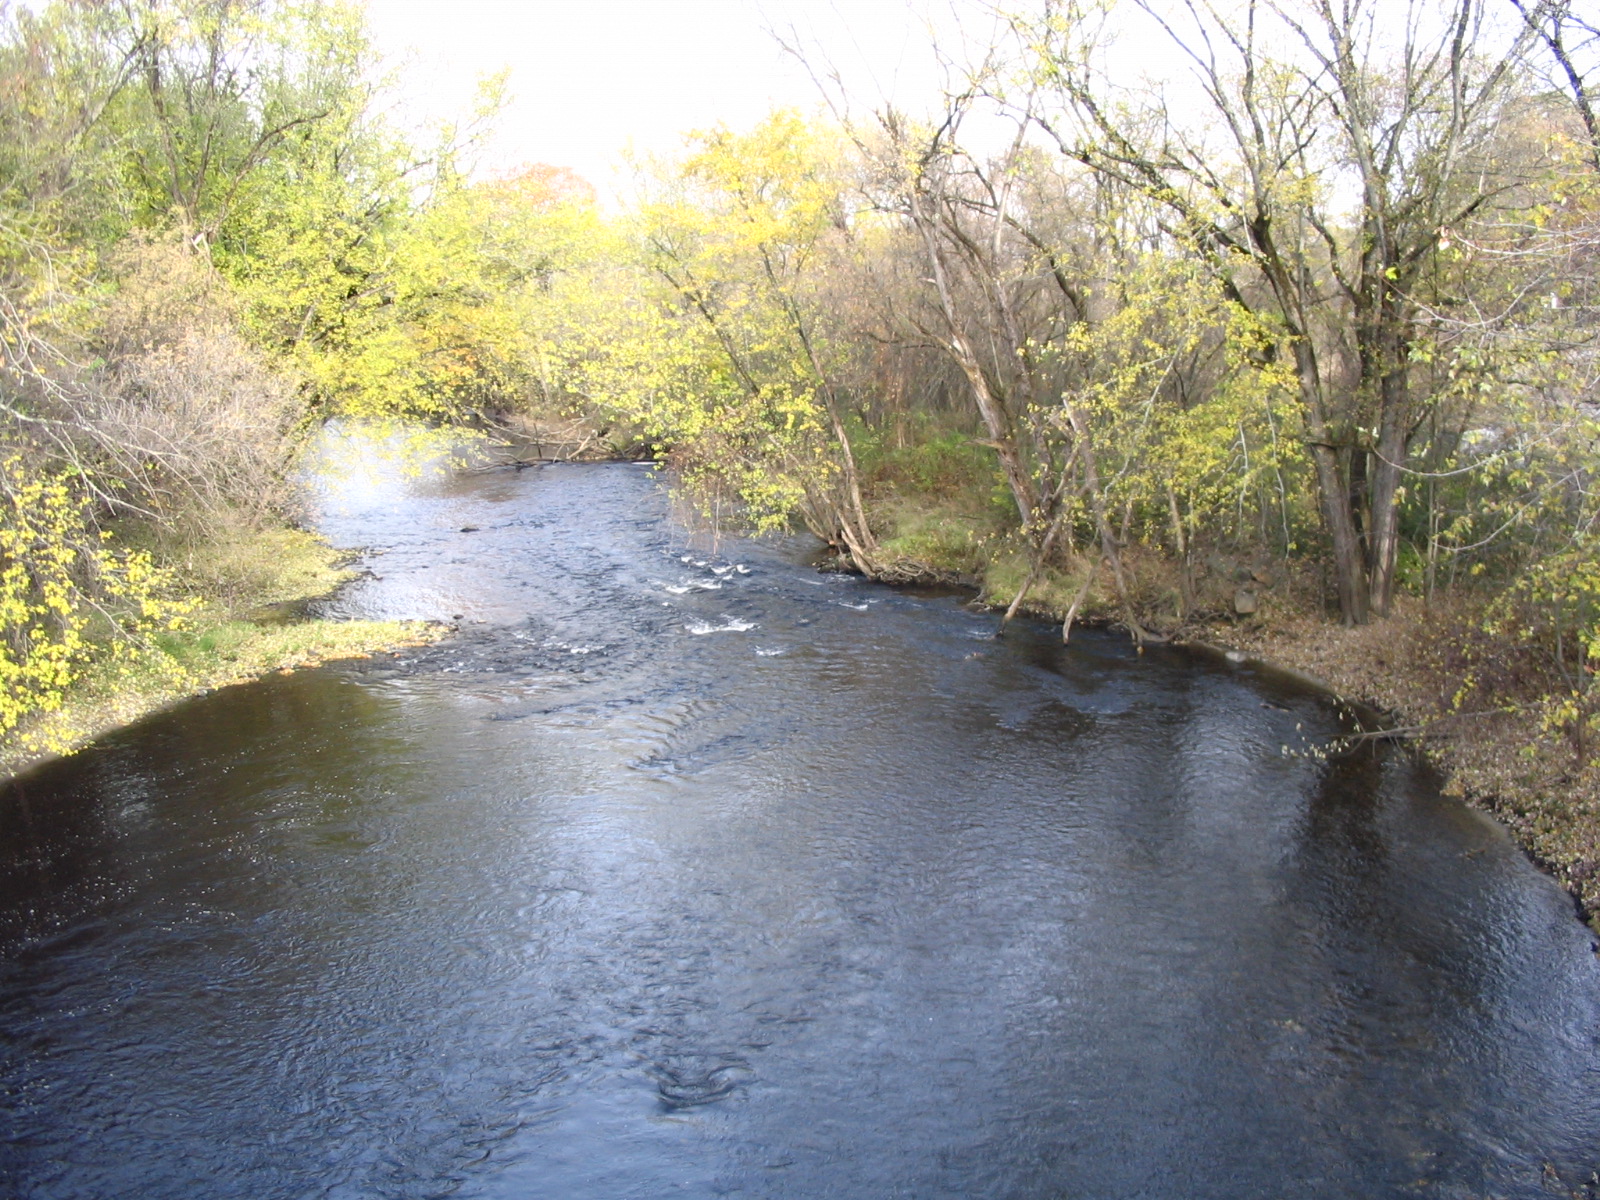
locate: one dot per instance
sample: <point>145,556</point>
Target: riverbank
<point>1474,706</point>
<point>1495,751</point>
<point>250,589</point>
<point>1482,708</point>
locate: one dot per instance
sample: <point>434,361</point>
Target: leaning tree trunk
<point>995,419</point>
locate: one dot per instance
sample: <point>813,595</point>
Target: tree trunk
<point>1383,542</point>
<point>1337,514</point>
<point>1348,570</point>
<point>995,419</point>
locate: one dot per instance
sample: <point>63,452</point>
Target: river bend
<point>685,869</point>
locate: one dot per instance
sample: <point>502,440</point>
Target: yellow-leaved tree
<point>732,368</point>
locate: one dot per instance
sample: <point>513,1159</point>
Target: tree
<point>740,232</point>
<point>220,86</point>
<point>1261,191</point>
<point>1573,45</point>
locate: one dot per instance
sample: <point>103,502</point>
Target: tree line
<point>1323,298</point>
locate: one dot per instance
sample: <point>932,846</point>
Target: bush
<point>943,463</point>
<point>185,417</point>
<point>67,598</point>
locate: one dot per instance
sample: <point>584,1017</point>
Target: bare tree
<point>1573,44</point>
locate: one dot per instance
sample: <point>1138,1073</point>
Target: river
<point>685,869</point>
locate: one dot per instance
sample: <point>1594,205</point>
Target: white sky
<point>591,77</point>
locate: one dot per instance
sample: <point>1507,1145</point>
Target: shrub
<point>67,597</point>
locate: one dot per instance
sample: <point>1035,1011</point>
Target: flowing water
<point>688,870</point>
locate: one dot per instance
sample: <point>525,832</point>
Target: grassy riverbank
<point>1477,705</point>
<point>247,587</point>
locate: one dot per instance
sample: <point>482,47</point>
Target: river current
<point>684,869</point>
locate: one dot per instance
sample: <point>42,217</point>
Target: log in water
<point>691,871</point>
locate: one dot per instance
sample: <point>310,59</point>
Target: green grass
<point>232,575</point>
<point>935,463</point>
<point>943,538</point>
<point>1052,592</point>
<point>937,503</point>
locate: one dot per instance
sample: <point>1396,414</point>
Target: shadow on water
<point>691,871</point>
